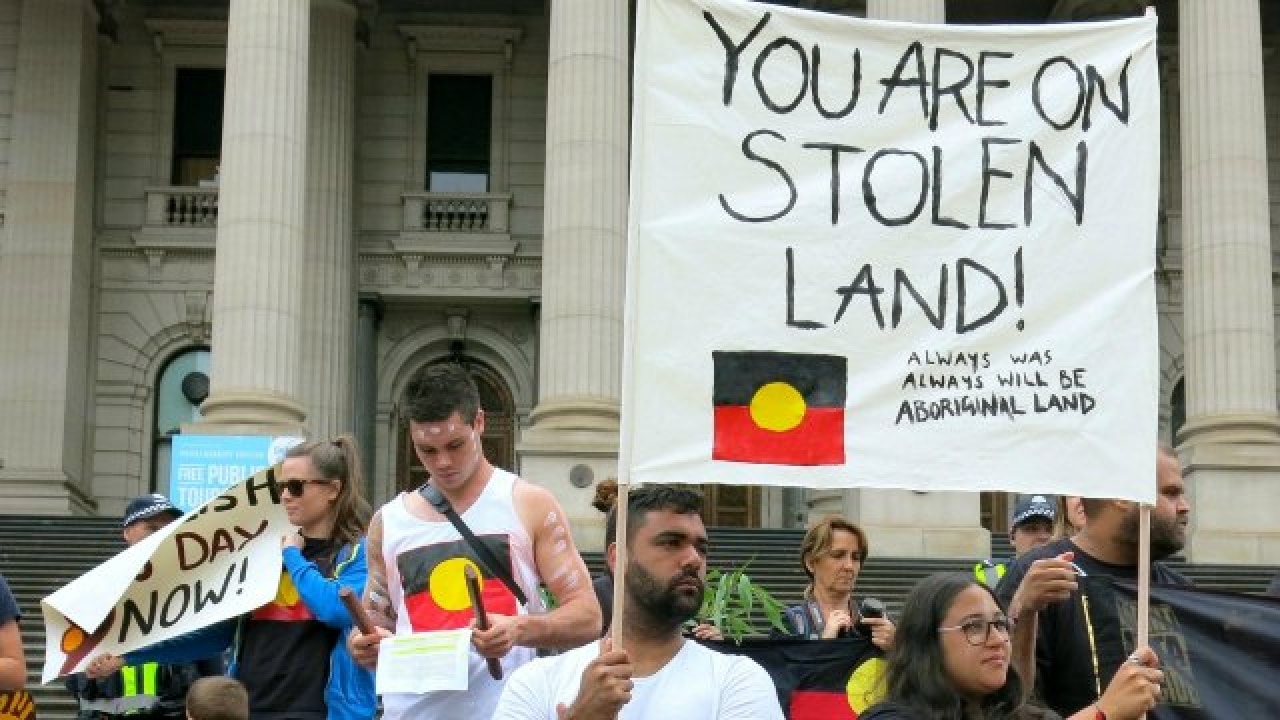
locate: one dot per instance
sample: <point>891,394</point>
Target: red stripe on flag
<point>280,612</point>
<point>820,705</point>
<point>817,440</point>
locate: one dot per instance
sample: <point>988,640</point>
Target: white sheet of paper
<point>424,662</point>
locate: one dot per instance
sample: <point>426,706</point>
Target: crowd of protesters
<point>1005,641</point>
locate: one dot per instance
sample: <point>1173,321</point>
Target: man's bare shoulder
<point>526,491</point>
<point>535,505</point>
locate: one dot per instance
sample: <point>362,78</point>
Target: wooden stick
<point>1144,572</point>
<point>621,506</point>
<point>356,610</point>
<point>482,618</point>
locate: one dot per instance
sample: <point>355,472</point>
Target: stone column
<point>46,262</point>
<point>366,402</point>
<point>258,274</point>
<point>1231,441</point>
<point>584,252</point>
<point>920,11</point>
<point>329,277</point>
<point>902,523</point>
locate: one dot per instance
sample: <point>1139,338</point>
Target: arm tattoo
<point>377,596</point>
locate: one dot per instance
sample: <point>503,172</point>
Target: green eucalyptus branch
<point>731,601</point>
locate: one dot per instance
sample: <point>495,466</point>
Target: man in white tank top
<point>416,555</point>
<point>658,673</point>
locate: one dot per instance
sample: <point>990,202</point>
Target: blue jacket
<point>349,693</point>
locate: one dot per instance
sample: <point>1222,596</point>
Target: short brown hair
<point>818,540</point>
<point>217,698</point>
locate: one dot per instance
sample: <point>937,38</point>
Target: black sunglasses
<point>295,486</point>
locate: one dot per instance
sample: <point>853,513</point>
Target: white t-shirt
<point>698,684</point>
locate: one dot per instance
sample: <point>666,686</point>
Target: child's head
<point>217,698</point>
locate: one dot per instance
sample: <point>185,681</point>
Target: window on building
<point>184,384</point>
<point>459,120</point>
<point>197,125</point>
<point>1177,410</point>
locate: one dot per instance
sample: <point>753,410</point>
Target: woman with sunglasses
<point>290,652</point>
<point>950,661</point>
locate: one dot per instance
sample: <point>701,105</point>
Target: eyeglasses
<point>295,486</point>
<point>977,630</point>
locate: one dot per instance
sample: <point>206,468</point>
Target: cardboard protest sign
<point>215,563</point>
<point>876,254</point>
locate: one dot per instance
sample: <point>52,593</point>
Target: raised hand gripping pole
<point>482,620</point>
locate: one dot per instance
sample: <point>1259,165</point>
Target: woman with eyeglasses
<point>950,661</point>
<point>290,653</point>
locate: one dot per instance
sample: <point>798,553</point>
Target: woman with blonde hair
<point>832,554</point>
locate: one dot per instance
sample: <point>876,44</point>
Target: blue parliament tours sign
<point>203,466</point>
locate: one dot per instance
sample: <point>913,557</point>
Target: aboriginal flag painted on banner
<point>778,408</point>
<point>17,705</point>
<point>817,680</point>
<point>1220,651</point>
<point>435,585</point>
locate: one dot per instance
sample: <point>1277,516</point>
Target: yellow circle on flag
<point>866,685</point>
<point>448,583</point>
<point>777,406</point>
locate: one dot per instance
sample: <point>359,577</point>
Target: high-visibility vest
<point>129,686</point>
<point>989,573</point>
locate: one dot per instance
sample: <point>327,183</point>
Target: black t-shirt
<point>889,711</point>
<point>284,654</point>
<point>1065,676</point>
<point>894,711</point>
<point>603,585</point>
<point>8,606</point>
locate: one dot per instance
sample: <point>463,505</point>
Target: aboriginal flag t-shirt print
<point>779,408</point>
<point>435,583</point>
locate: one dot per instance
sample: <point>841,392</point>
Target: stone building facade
<point>262,216</point>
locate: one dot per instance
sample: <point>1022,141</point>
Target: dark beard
<point>1166,534</point>
<point>664,606</point>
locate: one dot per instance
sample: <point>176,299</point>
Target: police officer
<point>1030,526</point>
<point>150,690</point>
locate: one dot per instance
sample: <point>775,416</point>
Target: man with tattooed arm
<point>416,555</point>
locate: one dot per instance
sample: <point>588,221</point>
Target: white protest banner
<point>876,254</point>
<point>217,562</point>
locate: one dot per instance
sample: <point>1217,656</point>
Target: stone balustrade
<point>456,212</point>
<point>182,207</point>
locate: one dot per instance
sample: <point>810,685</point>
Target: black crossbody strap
<point>488,561</point>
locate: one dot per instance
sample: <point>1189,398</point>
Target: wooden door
<point>995,512</point>
<point>731,505</point>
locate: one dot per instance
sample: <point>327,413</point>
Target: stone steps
<point>40,554</point>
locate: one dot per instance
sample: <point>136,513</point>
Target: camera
<point>869,608</point>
